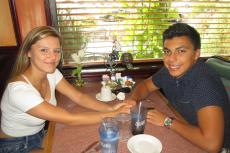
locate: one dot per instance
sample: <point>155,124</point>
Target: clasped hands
<point>154,116</point>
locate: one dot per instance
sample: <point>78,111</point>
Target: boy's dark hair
<point>183,29</point>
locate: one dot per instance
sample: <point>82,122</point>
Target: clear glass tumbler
<point>124,122</point>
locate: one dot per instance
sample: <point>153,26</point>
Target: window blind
<point>98,27</point>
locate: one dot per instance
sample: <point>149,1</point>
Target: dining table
<point>79,138</point>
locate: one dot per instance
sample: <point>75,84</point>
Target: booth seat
<point>222,67</point>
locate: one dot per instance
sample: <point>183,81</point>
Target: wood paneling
<point>30,15</point>
<point>7,34</point>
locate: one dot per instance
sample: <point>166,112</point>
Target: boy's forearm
<point>139,92</point>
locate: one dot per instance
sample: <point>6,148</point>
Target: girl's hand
<point>156,117</point>
<point>130,102</point>
<point>122,108</point>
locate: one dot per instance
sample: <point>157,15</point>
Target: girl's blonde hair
<point>36,34</point>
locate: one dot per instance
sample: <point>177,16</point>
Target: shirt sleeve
<point>58,76</point>
<point>25,97</point>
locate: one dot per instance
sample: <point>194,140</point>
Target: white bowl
<point>143,143</point>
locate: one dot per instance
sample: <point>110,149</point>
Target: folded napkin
<point>121,96</point>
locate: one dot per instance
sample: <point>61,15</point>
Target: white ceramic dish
<point>144,143</point>
<point>98,97</point>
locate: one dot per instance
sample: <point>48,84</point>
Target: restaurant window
<point>98,27</point>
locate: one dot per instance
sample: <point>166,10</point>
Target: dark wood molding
<point>51,16</point>
<point>48,14</point>
<point>15,22</point>
<point>12,50</point>
<point>6,62</point>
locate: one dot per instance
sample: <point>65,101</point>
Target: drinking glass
<point>138,118</point>
<point>109,135</point>
<point>124,122</point>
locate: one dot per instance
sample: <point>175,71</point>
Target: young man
<point>192,88</point>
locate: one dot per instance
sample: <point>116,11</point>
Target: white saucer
<point>98,97</point>
<point>143,143</point>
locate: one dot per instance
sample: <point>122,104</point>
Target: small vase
<point>79,81</point>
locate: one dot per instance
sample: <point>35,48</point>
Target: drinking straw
<point>139,110</point>
<point>104,124</point>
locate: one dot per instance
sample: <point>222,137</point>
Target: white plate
<point>98,97</point>
<point>143,143</point>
